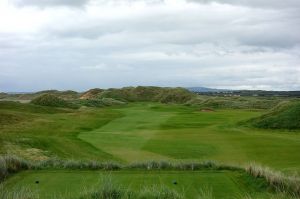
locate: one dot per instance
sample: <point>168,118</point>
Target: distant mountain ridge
<point>222,92</point>
<point>206,89</point>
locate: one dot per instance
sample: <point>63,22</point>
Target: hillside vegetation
<point>91,94</point>
<point>234,102</point>
<point>283,116</point>
<point>142,94</point>
<point>53,101</point>
<point>99,102</point>
<point>98,97</point>
<point>8,118</point>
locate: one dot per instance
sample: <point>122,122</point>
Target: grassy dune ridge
<point>284,116</point>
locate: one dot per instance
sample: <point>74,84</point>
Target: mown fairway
<point>153,131</point>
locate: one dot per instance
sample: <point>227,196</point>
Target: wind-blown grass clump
<point>52,101</point>
<point>107,190</point>
<point>12,164</point>
<point>110,190</point>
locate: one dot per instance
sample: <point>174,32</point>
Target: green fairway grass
<point>70,184</point>
<point>147,132</point>
<point>136,132</point>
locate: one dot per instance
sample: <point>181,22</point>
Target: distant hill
<point>205,89</point>
<point>286,115</point>
<point>228,92</point>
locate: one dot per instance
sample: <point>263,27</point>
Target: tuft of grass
<point>205,193</point>
<point>276,180</point>
<point>161,192</point>
<point>12,164</point>
<point>19,193</point>
<point>107,189</point>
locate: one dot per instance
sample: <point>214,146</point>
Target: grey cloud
<point>194,45</point>
<point>277,4</point>
<point>261,28</point>
<point>45,3</point>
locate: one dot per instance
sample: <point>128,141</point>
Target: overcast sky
<point>82,44</point>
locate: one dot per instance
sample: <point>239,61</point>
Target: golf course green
<point>141,132</point>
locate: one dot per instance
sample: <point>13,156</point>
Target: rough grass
<point>99,102</point>
<point>19,108</point>
<point>53,131</point>
<point>19,193</point>
<point>235,102</point>
<point>9,118</point>
<point>91,94</point>
<point>276,180</point>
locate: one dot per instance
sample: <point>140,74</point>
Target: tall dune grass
<point>276,180</point>
<point>20,193</point>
